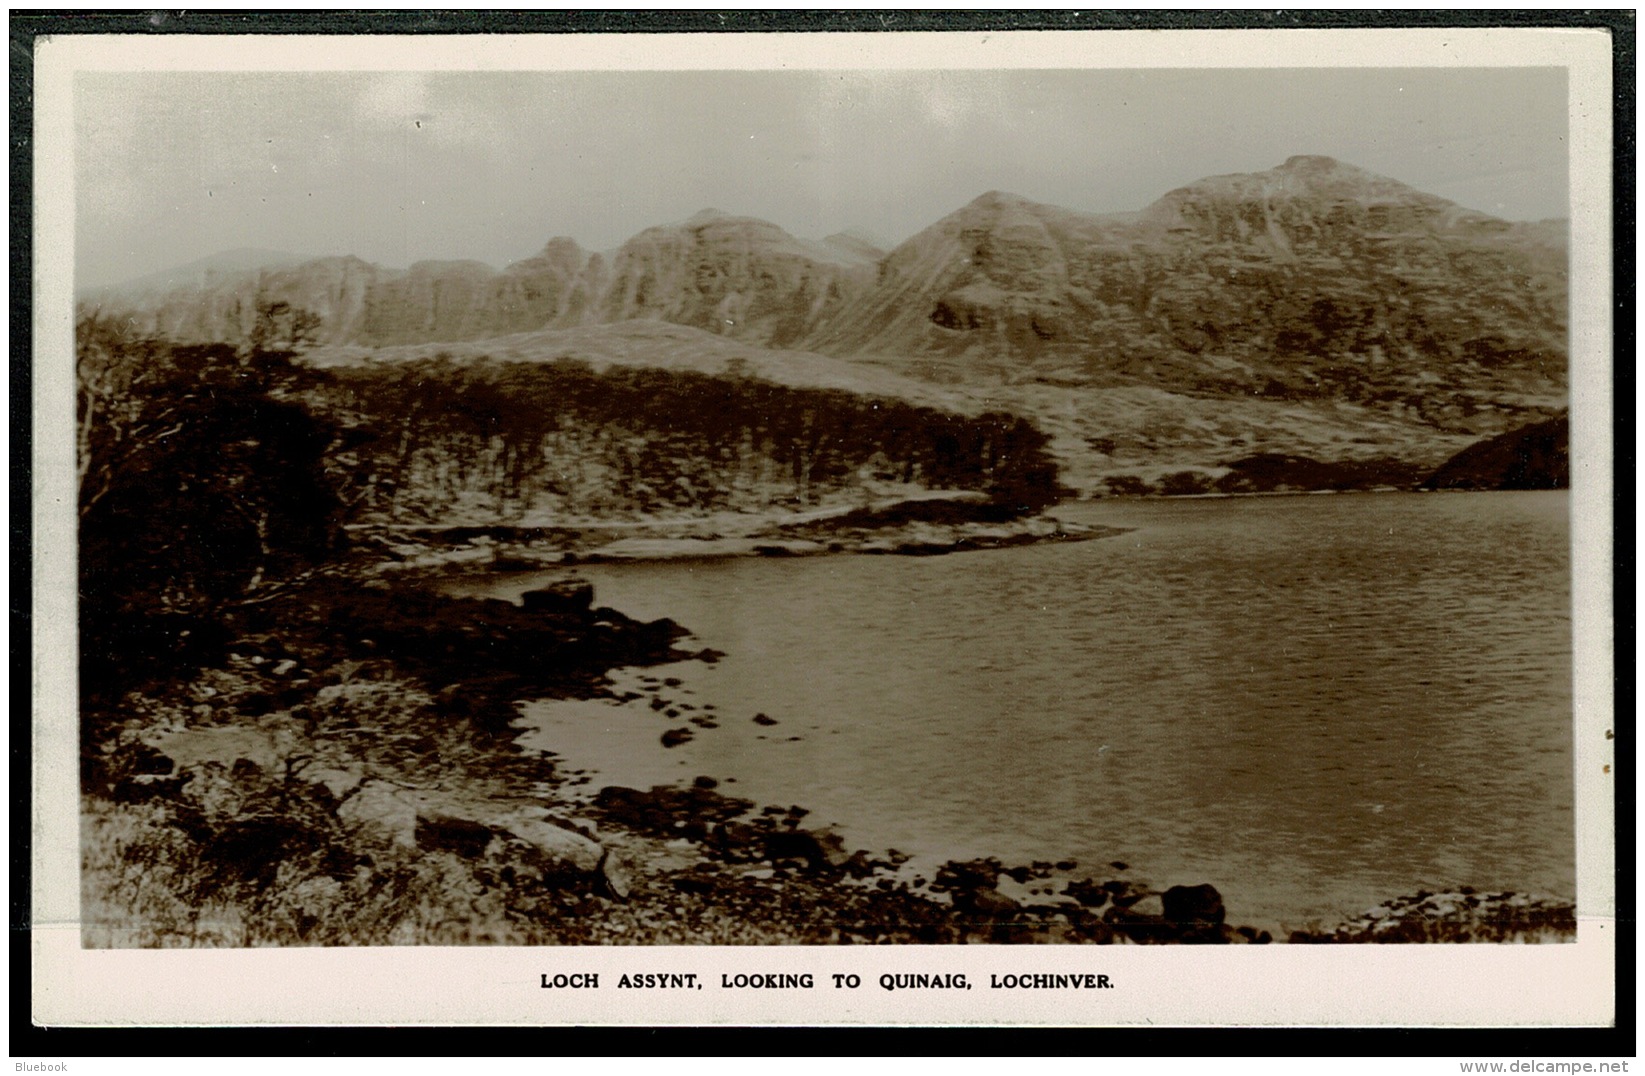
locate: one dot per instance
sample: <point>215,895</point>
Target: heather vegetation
<point>508,442</point>
<point>205,486</point>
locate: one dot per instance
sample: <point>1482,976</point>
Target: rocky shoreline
<point>355,778</point>
<point>932,526</point>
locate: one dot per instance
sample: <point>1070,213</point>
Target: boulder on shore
<point>987,902</point>
<point>470,835</point>
<point>438,831</point>
<point>568,597</point>
<point>558,844</point>
<point>616,875</point>
<point>1194,904</point>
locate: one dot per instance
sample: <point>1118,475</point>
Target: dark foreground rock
<point>1131,911</point>
<point>1189,904</point>
<point>477,655</point>
<point>553,633</point>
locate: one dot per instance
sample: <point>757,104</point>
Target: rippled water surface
<point>1314,703</point>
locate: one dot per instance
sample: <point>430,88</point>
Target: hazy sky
<point>171,167</point>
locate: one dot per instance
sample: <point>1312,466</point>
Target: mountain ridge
<point>1310,282</point>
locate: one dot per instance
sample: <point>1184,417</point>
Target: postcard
<point>980,527</point>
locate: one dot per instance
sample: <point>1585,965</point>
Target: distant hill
<point>735,276</point>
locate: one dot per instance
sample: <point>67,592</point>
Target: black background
<point>30,1040</point>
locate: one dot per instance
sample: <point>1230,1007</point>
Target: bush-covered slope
<point>1531,457</point>
<point>487,441</point>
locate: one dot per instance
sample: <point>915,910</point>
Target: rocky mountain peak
<point>715,230</point>
<point>560,256</point>
<point>996,200</point>
<point>706,216</point>
<point>1314,163</point>
<point>1306,201</point>
<point>562,248</point>
<point>1308,178</point>
<point>1313,276</point>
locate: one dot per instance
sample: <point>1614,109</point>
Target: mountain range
<point>1313,294</point>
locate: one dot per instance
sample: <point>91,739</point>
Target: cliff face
<point>451,301</point>
<point>1312,281</point>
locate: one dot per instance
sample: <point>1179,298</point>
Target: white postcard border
<point>1189,986</point>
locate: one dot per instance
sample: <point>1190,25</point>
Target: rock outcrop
<point>1193,904</point>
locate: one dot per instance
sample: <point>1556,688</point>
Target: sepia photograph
<point>1122,504</point>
